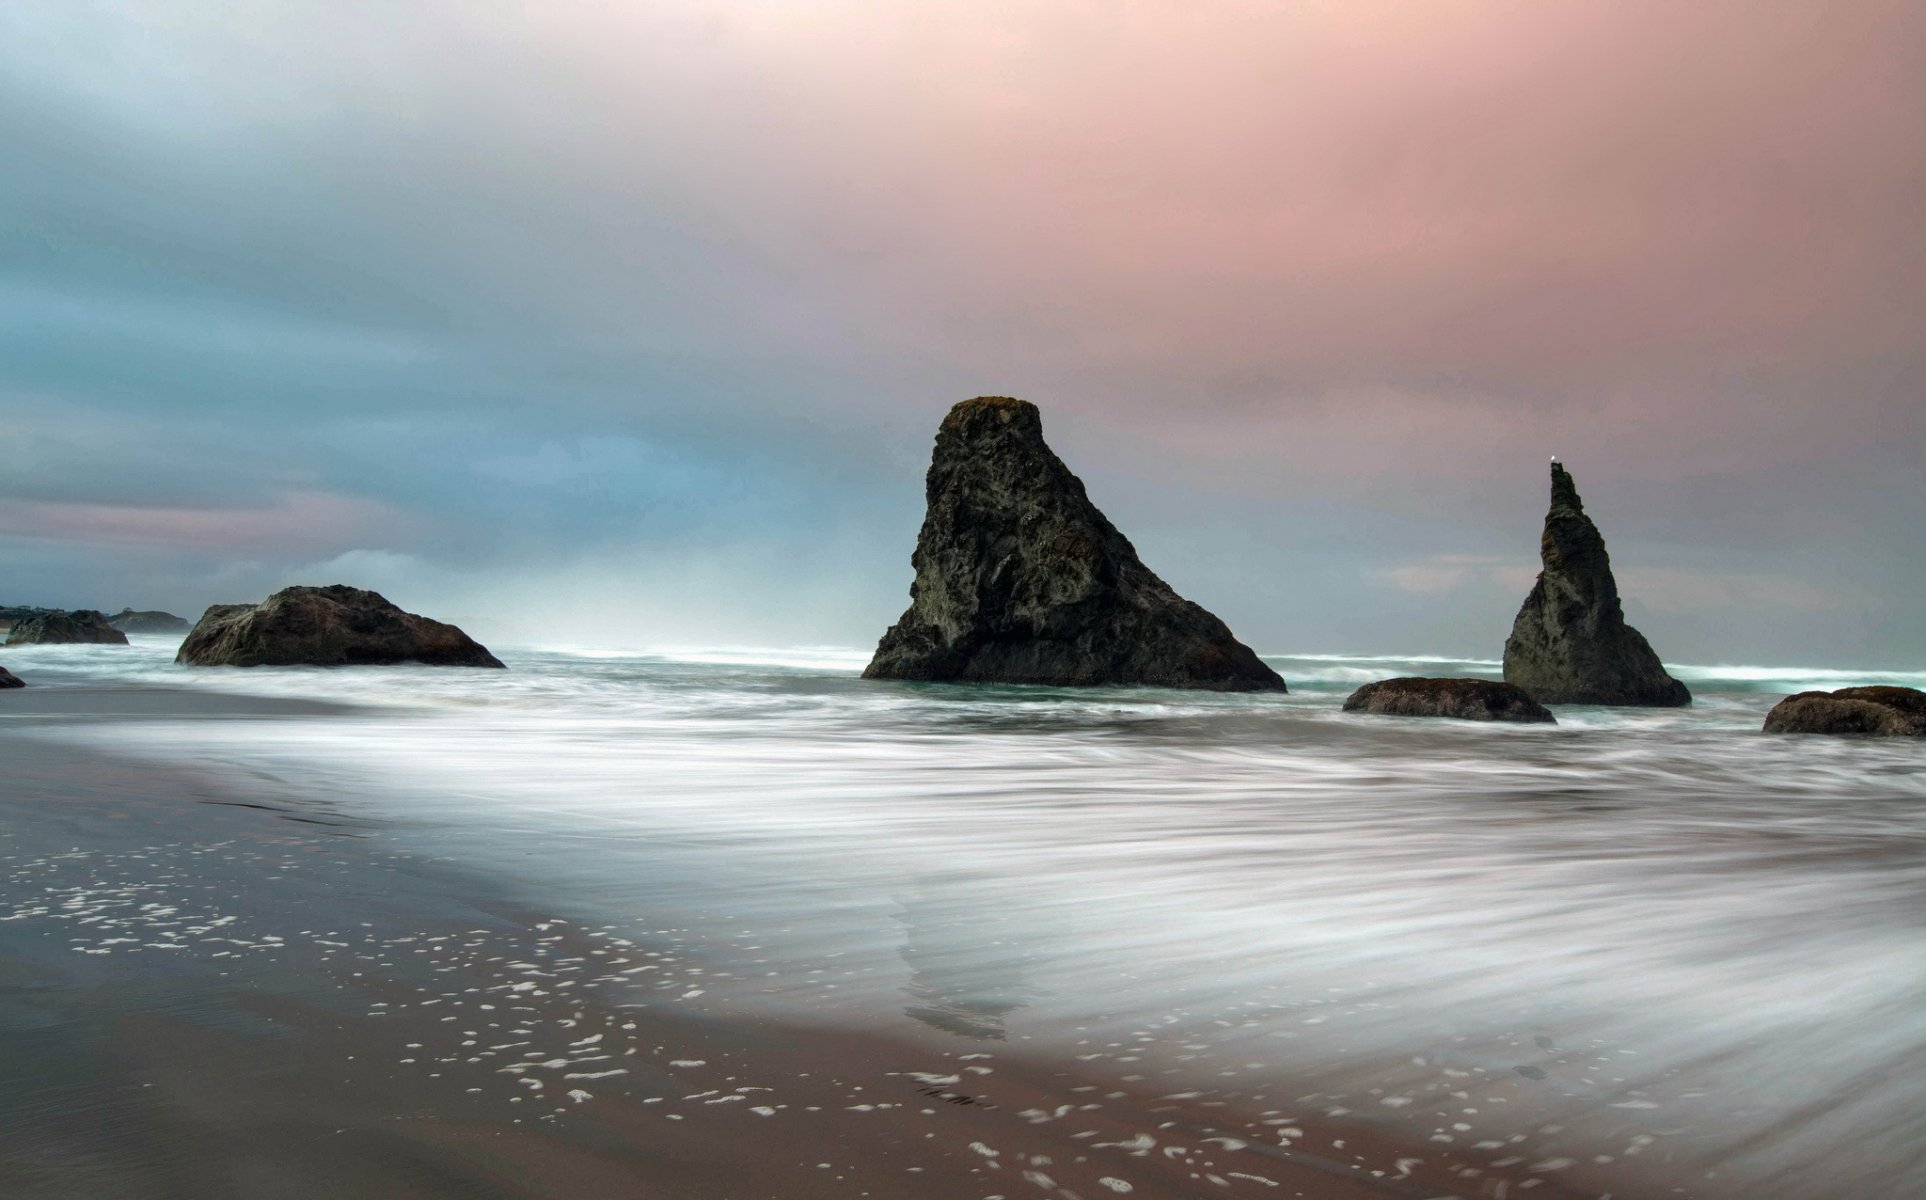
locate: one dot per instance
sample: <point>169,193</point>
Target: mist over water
<point>1654,933</point>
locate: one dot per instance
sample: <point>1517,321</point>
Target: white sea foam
<point>1700,919</point>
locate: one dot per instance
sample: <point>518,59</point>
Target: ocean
<point>1642,952</point>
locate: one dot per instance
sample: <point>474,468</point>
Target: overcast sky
<point>604,322</point>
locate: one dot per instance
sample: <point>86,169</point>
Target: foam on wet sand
<point>212,999</point>
<point>1163,941</point>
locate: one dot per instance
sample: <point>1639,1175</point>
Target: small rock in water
<point>326,627</point>
<point>151,621</point>
<point>1463,699</point>
<point>1878,711</point>
<point>9,680</point>
<point>84,626</point>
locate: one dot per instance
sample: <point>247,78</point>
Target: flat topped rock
<point>1570,643</point>
<point>81,627</point>
<point>9,680</point>
<point>1876,711</point>
<point>326,627</point>
<point>1462,699</point>
<point>150,621</point>
<point>1020,579</point>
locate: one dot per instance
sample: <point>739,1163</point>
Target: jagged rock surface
<point>1879,711</point>
<point>9,680</point>
<point>1570,643</point>
<point>82,627</point>
<point>326,627</point>
<point>13,614</point>
<point>129,621</point>
<point>1020,579</point>
<point>1463,699</point>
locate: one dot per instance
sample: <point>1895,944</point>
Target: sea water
<point>1652,932</point>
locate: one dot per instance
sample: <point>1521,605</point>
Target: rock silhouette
<point>9,680</point>
<point>82,627</point>
<point>1020,579</point>
<point>129,621</point>
<point>1570,643</point>
<point>1878,711</point>
<point>1463,699</point>
<point>326,627</point>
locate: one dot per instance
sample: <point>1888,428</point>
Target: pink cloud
<point>1669,590</point>
<point>1541,193</point>
<point>1672,590</point>
<point>1441,573</point>
<point>298,522</point>
<point>1359,238</point>
<point>1701,216</point>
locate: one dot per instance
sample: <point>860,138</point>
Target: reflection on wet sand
<point>1162,941</point>
<point>249,1008</point>
<point>968,968</point>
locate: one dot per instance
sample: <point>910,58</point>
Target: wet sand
<point>209,993</point>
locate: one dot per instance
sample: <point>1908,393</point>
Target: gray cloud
<point>473,296</point>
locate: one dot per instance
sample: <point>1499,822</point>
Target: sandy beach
<point>733,600</point>
<point>213,994</point>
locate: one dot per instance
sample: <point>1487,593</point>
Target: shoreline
<point>236,1048</point>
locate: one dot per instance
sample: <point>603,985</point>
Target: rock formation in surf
<point>1879,711</point>
<point>1570,643</point>
<point>154,621</point>
<point>82,627</point>
<point>326,627</point>
<point>1464,699</point>
<point>9,680</point>
<point>1019,579</point>
<point>13,614</point>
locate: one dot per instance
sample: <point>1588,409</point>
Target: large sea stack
<point>1019,579</point>
<point>82,627</point>
<point>1570,643</point>
<point>333,626</point>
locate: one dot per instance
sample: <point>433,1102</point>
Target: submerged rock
<point>1879,711</point>
<point>1464,699</point>
<point>1570,643</point>
<point>326,627</point>
<point>81,627</point>
<point>9,680</point>
<point>1019,579</point>
<point>153,621</point>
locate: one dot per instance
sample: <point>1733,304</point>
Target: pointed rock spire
<point>1019,579</point>
<point>1570,643</point>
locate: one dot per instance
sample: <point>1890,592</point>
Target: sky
<point>631,323</point>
